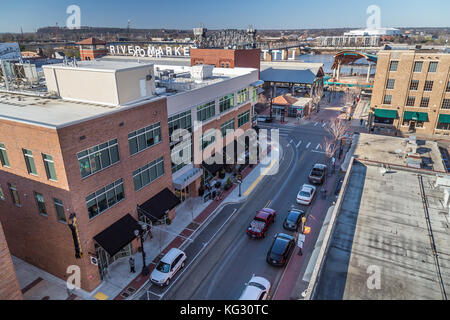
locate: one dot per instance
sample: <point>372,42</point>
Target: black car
<point>281,250</point>
<point>294,220</point>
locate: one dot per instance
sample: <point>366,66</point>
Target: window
<point>144,138</point>
<point>418,66</point>
<point>14,194</point>
<point>393,66</point>
<point>206,111</point>
<point>60,214</point>
<point>448,87</point>
<point>3,156</point>
<point>207,138</point>
<point>446,104</point>
<point>98,158</point>
<point>180,121</point>
<point>229,125</point>
<point>428,86</point>
<point>380,120</point>
<point>243,96</point>
<point>226,103</point>
<point>29,160</point>
<point>2,195</point>
<point>424,103</point>
<point>243,118</point>
<point>432,67</point>
<point>414,86</point>
<point>49,167</point>
<point>105,198</point>
<point>387,99</point>
<point>40,203</point>
<point>148,173</point>
<point>183,151</point>
<point>443,126</point>
<point>255,95</point>
<point>411,101</point>
<point>390,84</point>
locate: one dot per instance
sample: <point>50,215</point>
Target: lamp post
<point>144,267</point>
<point>239,182</point>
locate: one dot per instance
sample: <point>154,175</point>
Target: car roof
<point>171,255</point>
<point>284,236</point>
<point>261,280</point>
<point>294,211</point>
<point>319,166</point>
<point>250,293</point>
<point>308,187</point>
<point>264,213</point>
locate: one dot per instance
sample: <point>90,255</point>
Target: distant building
<point>360,38</point>
<point>92,48</point>
<point>411,93</point>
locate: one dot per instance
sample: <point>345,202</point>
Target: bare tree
<point>338,128</point>
<point>329,146</point>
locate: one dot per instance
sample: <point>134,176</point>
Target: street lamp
<point>144,267</point>
<point>239,182</point>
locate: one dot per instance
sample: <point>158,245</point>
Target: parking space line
<point>298,144</point>
<point>318,146</point>
<point>307,146</point>
<point>315,124</point>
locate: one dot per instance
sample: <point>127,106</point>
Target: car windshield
<point>257,285</point>
<point>163,267</point>
<point>305,194</point>
<point>316,172</point>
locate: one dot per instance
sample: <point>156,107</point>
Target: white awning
<point>187,178</point>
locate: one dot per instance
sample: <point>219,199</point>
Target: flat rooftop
<point>396,151</point>
<point>100,65</point>
<point>381,225</point>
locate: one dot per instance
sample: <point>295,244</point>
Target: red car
<point>261,223</point>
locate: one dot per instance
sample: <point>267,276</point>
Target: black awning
<point>156,207</point>
<point>118,235</point>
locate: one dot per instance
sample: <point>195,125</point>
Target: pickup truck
<point>318,174</point>
<point>261,223</point>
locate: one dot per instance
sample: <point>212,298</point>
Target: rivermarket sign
<point>150,51</point>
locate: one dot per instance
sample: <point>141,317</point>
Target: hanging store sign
<point>76,238</point>
<point>150,51</point>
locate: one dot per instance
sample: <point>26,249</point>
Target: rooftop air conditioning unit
<point>202,72</point>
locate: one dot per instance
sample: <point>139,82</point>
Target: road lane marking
<point>205,244</point>
<point>268,204</point>
<point>315,124</point>
<point>324,125</point>
<point>258,180</point>
<point>298,144</point>
<point>307,146</point>
<point>318,151</point>
<point>318,146</point>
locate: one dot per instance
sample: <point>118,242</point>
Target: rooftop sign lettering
<point>150,51</point>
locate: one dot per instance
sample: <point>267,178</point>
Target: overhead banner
<point>10,50</point>
<point>150,51</point>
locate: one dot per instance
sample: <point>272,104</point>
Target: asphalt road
<point>222,258</point>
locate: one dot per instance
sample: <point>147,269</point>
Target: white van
<point>168,266</point>
<point>257,289</point>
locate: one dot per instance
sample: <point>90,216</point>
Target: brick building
<point>9,286</point>
<point>227,58</point>
<point>92,48</point>
<point>82,163</point>
<point>411,93</point>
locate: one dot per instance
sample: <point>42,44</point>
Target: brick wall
<point>9,286</point>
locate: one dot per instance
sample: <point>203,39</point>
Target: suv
<point>260,224</point>
<point>167,267</point>
<point>281,250</point>
<point>318,174</point>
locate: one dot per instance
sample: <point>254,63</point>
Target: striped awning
<point>416,116</point>
<point>444,118</point>
<point>386,113</point>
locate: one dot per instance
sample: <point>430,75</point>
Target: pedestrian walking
<point>361,122</point>
<point>131,262</point>
<point>300,241</point>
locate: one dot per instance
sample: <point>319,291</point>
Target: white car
<point>168,266</point>
<point>306,194</point>
<point>257,289</point>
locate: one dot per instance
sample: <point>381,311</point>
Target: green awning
<point>417,116</point>
<point>444,118</point>
<point>386,113</point>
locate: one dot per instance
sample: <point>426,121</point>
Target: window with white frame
<point>105,198</point>
<point>98,158</point>
<point>148,173</point>
<point>243,118</point>
<point>229,125</point>
<point>206,111</point>
<point>226,102</point>
<point>243,96</point>
<point>144,138</point>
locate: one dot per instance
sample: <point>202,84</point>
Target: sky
<point>223,14</point>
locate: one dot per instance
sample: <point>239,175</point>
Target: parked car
<point>318,174</point>
<point>306,194</point>
<point>261,223</point>
<point>280,250</point>
<point>264,118</point>
<point>258,288</point>
<point>168,266</point>
<point>294,220</point>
